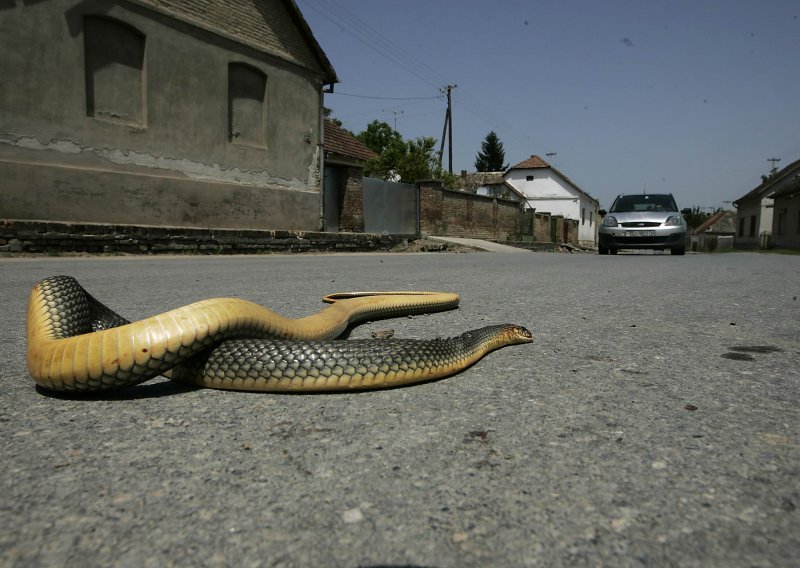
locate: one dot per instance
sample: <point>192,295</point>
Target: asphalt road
<point>654,421</point>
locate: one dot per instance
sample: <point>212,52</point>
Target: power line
<point>363,32</point>
<point>386,98</point>
<point>373,111</point>
<point>360,30</point>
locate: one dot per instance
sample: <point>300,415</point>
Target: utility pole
<point>448,129</point>
<point>774,167</point>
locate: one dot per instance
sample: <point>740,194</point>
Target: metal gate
<point>527,218</point>
<point>390,207</point>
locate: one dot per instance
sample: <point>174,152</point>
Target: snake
<point>76,343</point>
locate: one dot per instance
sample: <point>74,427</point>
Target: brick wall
<point>450,213</point>
<point>351,207</point>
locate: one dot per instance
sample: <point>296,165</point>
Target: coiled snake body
<point>75,343</point>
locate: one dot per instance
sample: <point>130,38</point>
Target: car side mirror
<point>686,211</point>
<point>603,212</point>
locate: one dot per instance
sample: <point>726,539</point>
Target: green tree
<point>406,160</point>
<point>379,137</point>
<point>420,161</point>
<point>697,217</point>
<point>491,156</point>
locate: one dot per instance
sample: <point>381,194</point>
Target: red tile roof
<point>718,218</point>
<point>531,163</point>
<point>341,143</point>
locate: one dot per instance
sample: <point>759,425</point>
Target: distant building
<point>548,190</point>
<point>473,181</point>
<point>757,223</point>
<point>161,112</point>
<point>715,233</point>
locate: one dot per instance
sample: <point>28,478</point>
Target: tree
<point>697,217</point>
<point>408,161</point>
<point>326,112</point>
<point>420,161</point>
<point>379,137</point>
<point>491,156</point>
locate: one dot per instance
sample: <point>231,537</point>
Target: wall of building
<point>757,229</point>
<point>545,183</point>
<point>161,152</point>
<point>786,222</point>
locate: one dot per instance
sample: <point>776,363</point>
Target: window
<point>781,221</point>
<point>583,215</point>
<point>528,178</point>
<point>650,202</point>
<point>247,88</point>
<point>741,226</point>
<point>752,225</point>
<point>114,66</point>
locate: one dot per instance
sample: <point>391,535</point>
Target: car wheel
<point>678,250</point>
<point>612,251</point>
<point>602,250</point>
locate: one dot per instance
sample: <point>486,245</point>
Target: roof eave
<point>324,62</point>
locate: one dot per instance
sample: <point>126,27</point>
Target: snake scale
<point>75,343</point>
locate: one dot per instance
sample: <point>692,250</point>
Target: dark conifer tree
<point>491,156</point>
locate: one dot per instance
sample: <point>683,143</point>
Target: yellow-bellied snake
<point>75,343</point>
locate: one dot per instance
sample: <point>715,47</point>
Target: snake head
<point>519,334</point>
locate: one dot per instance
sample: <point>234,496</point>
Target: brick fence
<point>450,213</point>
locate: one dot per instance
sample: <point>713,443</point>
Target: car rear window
<point>628,203</point>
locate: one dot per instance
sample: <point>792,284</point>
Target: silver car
<point>646,221</point>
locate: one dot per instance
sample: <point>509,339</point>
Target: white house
<point>548,190</point>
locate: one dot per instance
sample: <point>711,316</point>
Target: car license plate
<point>640,233</point>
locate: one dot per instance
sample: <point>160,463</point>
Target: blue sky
<point>683,96</point>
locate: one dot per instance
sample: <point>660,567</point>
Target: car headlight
<point>674,221</point>
<point>609,221</point>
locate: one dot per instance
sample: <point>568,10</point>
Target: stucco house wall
<point>754,223</point>
<point>161,113</point>
<point>757,220</point>
<point>786,222</point>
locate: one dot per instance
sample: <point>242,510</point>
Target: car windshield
<point>629,203</point>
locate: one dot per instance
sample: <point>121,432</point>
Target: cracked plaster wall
<point>183,166</point>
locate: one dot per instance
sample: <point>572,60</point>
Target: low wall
<point>49,237</point>
<point>449,213</point>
